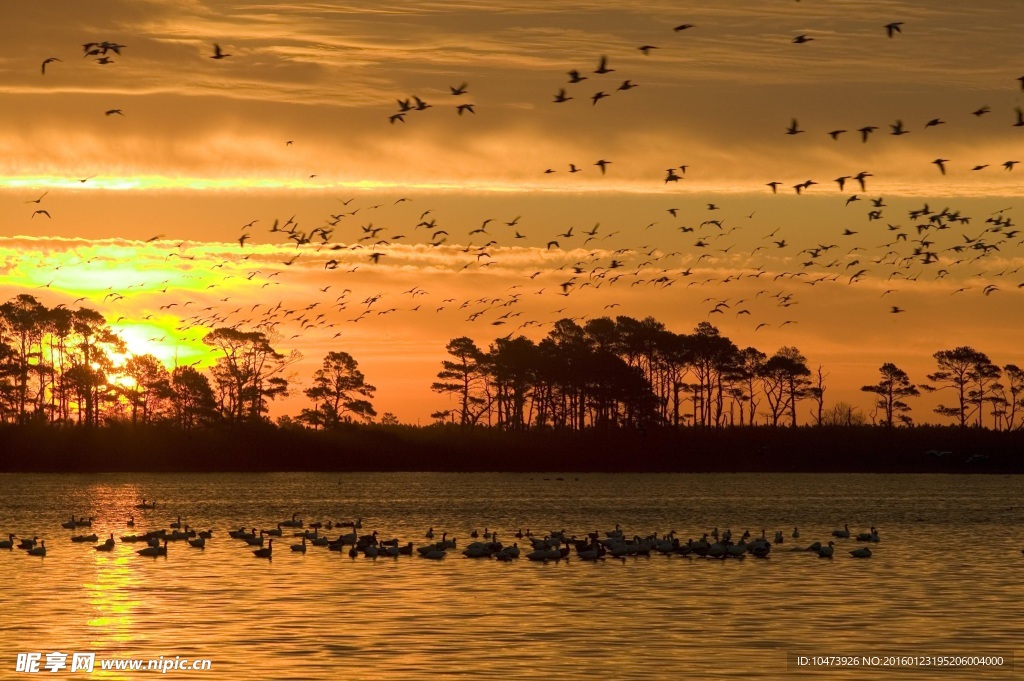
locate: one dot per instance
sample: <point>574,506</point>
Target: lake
<point>945,579</point>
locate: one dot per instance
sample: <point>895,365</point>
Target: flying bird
<point>111,112</point>
<point>793,128</point>
<point>561,97</point>
<point>603,66</point>
<point>48,60</point>
<point>41,212</point>
<point>893,28</point>
<point>218,53</point>
<point>941,163</point>
<point>800,39</point>
<point>682,27</point>
<point>461,90</point>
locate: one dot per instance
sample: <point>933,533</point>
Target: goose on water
<point>198,543</point>
<point>871,536</point>
<point>843,533</point>
<point>826,551</point>
<point>301,548</point>
<point>864,552</point>
<point>9,544</point>
<point>265,552</point>
<point>38,550</point>
<point>28,543</point>
<point>108,545</point>
<point>154,550</point>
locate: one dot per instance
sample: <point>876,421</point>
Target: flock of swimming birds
<point>934,245</point>
<point>553,546</point>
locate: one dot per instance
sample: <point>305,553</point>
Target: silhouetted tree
<point>248,372</point>
<point>191,398</point>
<point>785,383</point>
<point>339,391</point>
<point>1011,397</point>
<point>464,378</point>
<point>148,381</point>
<point>957,371</point>
<point>893,387</point>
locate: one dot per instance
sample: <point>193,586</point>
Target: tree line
<point>636,373</point>
<point>63,366</point>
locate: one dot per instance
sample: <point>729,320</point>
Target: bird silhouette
<point>893,28</point>
<point>48,60</point>
<point>218,53</point>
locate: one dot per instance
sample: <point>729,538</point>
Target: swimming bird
<point>108,545</point>
<point>863,552</point>
<point>826,551</point>
<point>843,533</point>
<point>265,552</point>
<point>301,548</point>
<point>9,543</point>
<point>38,550</point>
<point>154,551</point>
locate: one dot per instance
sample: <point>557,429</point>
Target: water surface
<point>945,579</point>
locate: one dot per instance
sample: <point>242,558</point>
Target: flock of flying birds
<point>898,247</point>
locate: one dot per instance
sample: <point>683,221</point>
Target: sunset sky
<point>150,166</point>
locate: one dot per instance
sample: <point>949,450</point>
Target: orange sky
<point>202,149</point>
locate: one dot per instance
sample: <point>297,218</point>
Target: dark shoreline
<point>857,449</point>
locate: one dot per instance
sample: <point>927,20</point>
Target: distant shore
<point>860,449</point>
